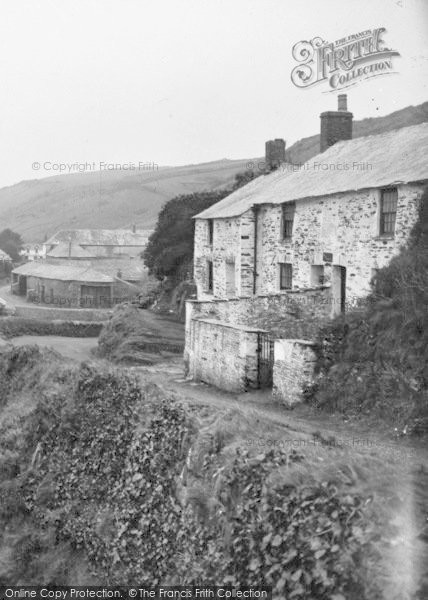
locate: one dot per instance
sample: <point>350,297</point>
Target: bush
<point>15,326</point>
<point>375,360</point>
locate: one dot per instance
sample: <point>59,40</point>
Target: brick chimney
<point>275,153</point>
<point>336,125</point>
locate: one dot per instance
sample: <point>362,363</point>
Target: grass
<point>391,489</point>
<point>136,336</point>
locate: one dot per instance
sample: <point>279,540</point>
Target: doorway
<point>22,283</point>
<point>338,287</point>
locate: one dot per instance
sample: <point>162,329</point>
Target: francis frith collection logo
<point>344,62</point>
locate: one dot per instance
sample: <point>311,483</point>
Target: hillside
<point>110,199</point>
<point>107,199</point>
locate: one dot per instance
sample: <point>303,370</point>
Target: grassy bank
<point>135,335</point>
<point>374,360</point>
<point>105,480</point>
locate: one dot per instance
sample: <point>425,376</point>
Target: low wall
<point>295,314</point>
<point>63,314</point>
<point>222,354</point>
<point>293,369</point>
<point>11,327</point>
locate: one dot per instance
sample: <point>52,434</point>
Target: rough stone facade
<point>293,369</point>
<point>334,251</point>
<point>296,314</point>
<point>222,354</point>
<point>341,230</point>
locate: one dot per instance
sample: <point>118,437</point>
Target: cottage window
<point>210,232</point>
<point>210,282</point>
<point>285,276</point>
<point>388,211</point>
<point>287,219</point>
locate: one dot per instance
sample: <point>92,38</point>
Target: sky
<point>175,82</point>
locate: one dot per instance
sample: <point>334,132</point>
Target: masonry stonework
<point>222,354</point>
<point>293,369</point>
<point>337,230</point>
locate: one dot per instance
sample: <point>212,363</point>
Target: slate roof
<point>63,250</point>
<point>101,237</point>
<point>390,158</point>
<point>63,272</point>
<point>131,270</point>
<point>4,255</point>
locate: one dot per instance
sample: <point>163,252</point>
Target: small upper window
<point>288,210</point>
<point>210,232</point>
<point>285,276</point>
<point>388,211</point>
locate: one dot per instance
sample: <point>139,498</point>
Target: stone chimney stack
<point>275,153</point>
<point>336,125</point>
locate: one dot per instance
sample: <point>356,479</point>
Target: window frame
<point>210,277</point>
<point>387,226</point>
<point>289,207</point>
<point>287,276</point>
<point>210,232</point>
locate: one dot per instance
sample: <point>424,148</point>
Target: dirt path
<point>299,424</point>
<point>70,347</point>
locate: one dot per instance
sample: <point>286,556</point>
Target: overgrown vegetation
<point>375,359</point>
<point>134,335</point>
<point>15,326</point>
<point>105,480</point>
<point>11,243</point>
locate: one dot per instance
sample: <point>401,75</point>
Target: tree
<point>170,247</point>
<point>11,243</point>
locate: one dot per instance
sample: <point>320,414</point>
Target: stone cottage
<point>296,246</point>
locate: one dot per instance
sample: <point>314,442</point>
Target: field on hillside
<point>105,199</point>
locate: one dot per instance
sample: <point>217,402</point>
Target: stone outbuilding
<point>63,286</point>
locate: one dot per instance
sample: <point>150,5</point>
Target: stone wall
<point>294,314</point>
<point>221,354</point>
<point>337,230</point>
<point>294,364</point>
<point>32,311</point>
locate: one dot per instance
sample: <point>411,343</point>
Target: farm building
<point>67,286</point>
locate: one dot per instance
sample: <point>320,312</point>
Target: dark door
<point>338,286</point>
<point>264,360</point>
<point>95,296</point>
<point>342,289</point>
<point>22,285</point>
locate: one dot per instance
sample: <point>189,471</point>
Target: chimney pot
<point>342,103</point>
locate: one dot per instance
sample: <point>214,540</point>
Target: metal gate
<point>264,360</point>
